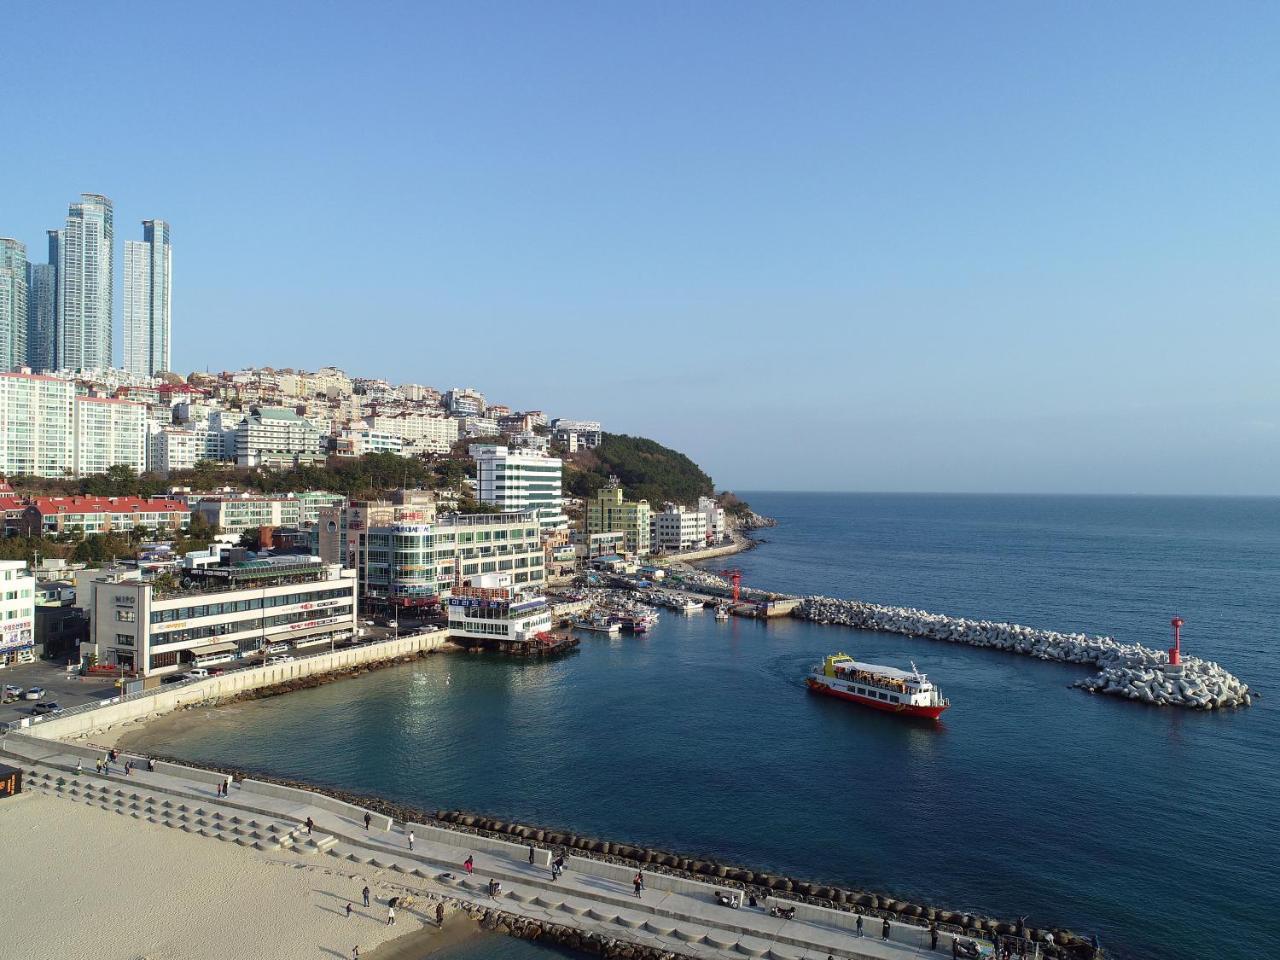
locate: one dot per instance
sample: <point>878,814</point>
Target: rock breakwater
<point>1128,670</point>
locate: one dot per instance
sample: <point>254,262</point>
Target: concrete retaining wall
<point>230,684</point>
<point>470,841</point>
<point>349,811</point>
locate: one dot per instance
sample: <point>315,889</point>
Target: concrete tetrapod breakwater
<point>1128,670</point>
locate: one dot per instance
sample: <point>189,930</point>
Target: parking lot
<point>66,691</point>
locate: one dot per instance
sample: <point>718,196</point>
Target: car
<point>173,678</point>
<point>33,693</point>
<point>196,673</point>
<point>46,707</point>
<point>369,623</point>
<point>275,648</point>
<point>280,658</point>
<point>11,691</point>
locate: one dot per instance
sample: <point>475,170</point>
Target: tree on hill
<point>646,469</point>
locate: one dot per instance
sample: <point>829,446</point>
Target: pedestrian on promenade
<point>531,854</point>
<point>440,914</point>
<point>933,935</point>
<point>365,891</point>
<point>884,932</point>
<point>355,953</point>
<point>638,882</point>
<point>410,840</point>
<point>310,824</point>
<point>391,916</point>
<point>955,948</point>
<point>348,909</point>
<point>78,774</point>
<point>859,924</point>
<point>560,864</point>
<point>469,864</point>
<point>128,768</point>
<point>151,764</point>
<point>112,754</point>
<point>368,819</point>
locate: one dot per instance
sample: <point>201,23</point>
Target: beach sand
<point>82,882</point>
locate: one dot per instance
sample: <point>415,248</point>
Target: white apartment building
<point>577,433</point>
<point>358,439</point>
<point>36,437</point>
<point>236,514</point>
<point>175,448</point>
<point>109,432</point>
<point>276,437</point>
<point>464,401</point>
<point>520,481</point>
<point>675,527</point>
<point>223,612</point>
<point>17,608</point>
<point>479,426</point>
<point>421,432</point>
<point>714,513</point>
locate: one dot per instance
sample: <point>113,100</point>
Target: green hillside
<point>647,469</point>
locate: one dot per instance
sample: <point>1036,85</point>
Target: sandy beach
<point>83,882</point>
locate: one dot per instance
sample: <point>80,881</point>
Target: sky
<point>1000,247</point>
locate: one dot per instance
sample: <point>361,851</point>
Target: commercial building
<point>276,437</point>
<point>233,608</point>
<point>14,309</point>
<point>147,300</point>
<point>520,481</point>
<point>608,512</point>
<point>492,607</point>
<point>86,285</point>
<point>17,609</point>
<point>675,527</point>
<point>54,516</point>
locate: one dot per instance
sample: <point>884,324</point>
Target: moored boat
<point>597,624</point>
<point>907,692</point>
<point>722,612</point>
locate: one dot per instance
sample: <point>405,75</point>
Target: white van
<point>196,673</point>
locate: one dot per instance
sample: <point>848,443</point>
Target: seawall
<point>81,721</point>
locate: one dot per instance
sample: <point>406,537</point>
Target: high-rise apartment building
<point>85,285</point>
<point>109,432</point>
<point>13,304</point>
<point>42,311</point>
<point>520,481</point>
<point>147,275</point>
<point>36,435</point>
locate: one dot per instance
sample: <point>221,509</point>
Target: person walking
<point>355,953</point>
<point>368,819</point>
<point>348,909</point>
<point>310,825</point>
<point>365,892</point>
<point>410,840</point>
<point>97,766</point>
<point>933,935</point>
<point>78,774</point>
<point>440,914</point>
<point>151,764</point>
<point>531,854</point>
<point>391,916</point>
<point>884,931</point>
<point>859,924</point>
<point>638,883</point>
<point>469,864</point>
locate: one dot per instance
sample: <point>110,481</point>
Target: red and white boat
<point>907,692</point>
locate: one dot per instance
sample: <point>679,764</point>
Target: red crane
<point>736,577</point>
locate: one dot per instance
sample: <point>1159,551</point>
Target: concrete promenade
<point>673,914</point>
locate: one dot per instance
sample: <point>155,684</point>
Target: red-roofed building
<point>56,515</point>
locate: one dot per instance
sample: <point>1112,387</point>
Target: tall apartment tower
<point>42,311</point>
<point>85,285</point>
<point>13,304</point>
<point>147,276</point>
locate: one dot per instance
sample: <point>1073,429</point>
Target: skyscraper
<point>13,304</point>
<point>42,310</point>
<point>85,285</point>
<point>146,300</point>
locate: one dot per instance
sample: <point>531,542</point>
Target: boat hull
<point>901,709</point>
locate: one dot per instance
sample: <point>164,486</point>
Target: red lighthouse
<point>1175,652</point>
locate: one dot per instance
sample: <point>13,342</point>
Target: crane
<point>735,577</point>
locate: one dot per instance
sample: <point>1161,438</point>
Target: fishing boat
<point>691,606</point>
<point>639,622</point>
<point>597,623</point>
<point>722,613</point>
<point>906,692</point>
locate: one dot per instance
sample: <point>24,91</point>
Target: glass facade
<point>147,303</point>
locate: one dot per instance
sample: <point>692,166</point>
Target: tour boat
<point>883,688</point>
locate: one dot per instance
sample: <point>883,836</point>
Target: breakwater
<point>1128,670</point>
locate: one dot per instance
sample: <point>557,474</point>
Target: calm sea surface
<point>1157,829</point>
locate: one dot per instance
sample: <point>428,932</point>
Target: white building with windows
<point>464,401</point>
<point>108,433</point>
<point>714,513</point>
<point>15,318</point>
<point>86,285</point>
<point>421,432</point>
<point>147,300</point>
<point>17,608</point>
<point>175,448</point>
<point>577,434</point>
<point>675,527</point>
<point>492,607</point>
<point>520,481</point>
<point>222,612</point>
<point>36,437</point>
<point>276,437</point>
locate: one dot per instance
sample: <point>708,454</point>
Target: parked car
<point>196,673</point>
<point>33,693</point>
<point>46,707</point>
<point>281,658</point>
<point>173,678</point>
<point>11,691</point>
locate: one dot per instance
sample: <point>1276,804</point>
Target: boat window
<point>895,698</point>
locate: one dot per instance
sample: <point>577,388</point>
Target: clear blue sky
<point>878,246</point>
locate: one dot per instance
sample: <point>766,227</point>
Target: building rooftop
<point>49,505</point>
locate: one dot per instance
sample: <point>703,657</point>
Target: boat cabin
<point>876,682</point>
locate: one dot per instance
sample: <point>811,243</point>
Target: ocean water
<point>1154,828</point>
